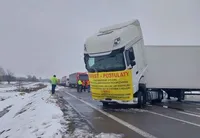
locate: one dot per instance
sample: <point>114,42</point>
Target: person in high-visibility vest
<point>54,82</point>
<point>79,86</point>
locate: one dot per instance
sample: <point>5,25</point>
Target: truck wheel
<point>143,90</point>
<point>105,104</point>
<point>141,99</point>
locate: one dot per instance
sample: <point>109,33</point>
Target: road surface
<point>166,120</point>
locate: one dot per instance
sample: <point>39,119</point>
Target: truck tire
<point>141,102</point>
<point>142,93</point>
<point>105,104</point>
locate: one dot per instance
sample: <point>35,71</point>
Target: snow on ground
<point>79,133</point>
<point>32,85</point>
<point>13,82</point>
<point>37,115</point>
<point>29,115</point>
<point>5,87</point>
<point>193,98</point>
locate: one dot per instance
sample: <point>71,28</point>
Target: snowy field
<point>37,115</point>
<point>29,115</point>
<point>4,86</point>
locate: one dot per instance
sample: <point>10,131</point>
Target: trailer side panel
<point>73,79</point>
<point>173,67</point>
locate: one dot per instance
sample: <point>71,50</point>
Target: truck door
<point>131,63</point>
<point>140,60</point>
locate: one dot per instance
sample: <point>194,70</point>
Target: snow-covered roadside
<point>39,115</point>
<point>30,115</point>
<point>13,87</point>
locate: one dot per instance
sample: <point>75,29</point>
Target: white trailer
<point>154,69</point>
<point>173,68</point>
<point>63,81</point>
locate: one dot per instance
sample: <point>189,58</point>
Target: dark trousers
<point>53,88</point>
<point>83,88</point>
<point>88,88</point>
<point>79,88</point>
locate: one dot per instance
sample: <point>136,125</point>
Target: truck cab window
<point>130,57</point>
<point>111,62</point>
<point>91,62</point>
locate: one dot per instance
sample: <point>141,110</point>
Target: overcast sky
<point>46,37</point>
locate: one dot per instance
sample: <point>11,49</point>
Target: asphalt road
<point>169,119</point>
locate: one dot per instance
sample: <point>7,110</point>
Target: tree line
<point>8,76</point>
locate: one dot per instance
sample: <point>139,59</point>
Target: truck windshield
<point>111,62</point>
<point>83,77</point>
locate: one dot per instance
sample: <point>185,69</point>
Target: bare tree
<point>32,78</point>
<point>2,74</point>
<point>9,76</point>
<point>29,77</point>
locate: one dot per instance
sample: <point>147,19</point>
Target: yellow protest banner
<point>114,85</point>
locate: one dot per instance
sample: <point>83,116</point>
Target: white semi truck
<point>149,69</point>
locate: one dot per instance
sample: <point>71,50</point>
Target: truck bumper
<point>135,101</point>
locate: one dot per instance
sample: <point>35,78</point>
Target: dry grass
<point>24,90</point>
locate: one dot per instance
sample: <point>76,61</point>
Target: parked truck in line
<point>123,70</point>
<point>74,77</point>
<point>64,81</point>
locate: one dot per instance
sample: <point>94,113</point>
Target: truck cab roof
<point>113,37</point>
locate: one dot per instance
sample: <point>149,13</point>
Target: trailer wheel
<point>141,99</point>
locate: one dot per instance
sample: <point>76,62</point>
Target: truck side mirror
<point>85,59</point>
<point>133,63</point>
<point>131,55</point>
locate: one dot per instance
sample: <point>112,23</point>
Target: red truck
<point>74,77</point>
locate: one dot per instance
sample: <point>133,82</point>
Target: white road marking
<point>187,113</point>
<point>134,128</point>
<point>173,118</point>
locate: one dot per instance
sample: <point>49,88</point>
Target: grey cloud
<point>46,37</point>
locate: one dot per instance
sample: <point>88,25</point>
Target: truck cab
<point>119,48</point>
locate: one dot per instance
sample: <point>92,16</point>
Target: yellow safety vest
<point>54,80</point>
<point>80,82</point>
